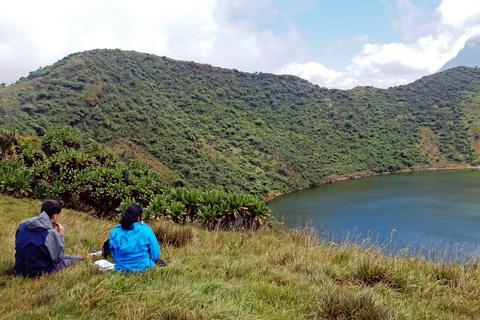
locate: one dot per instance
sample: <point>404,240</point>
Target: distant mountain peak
<point>468,56</point>
<point>473,41</point>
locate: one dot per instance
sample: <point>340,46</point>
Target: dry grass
<point>273,273</point>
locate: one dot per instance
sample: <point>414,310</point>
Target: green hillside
<point>208,127</point>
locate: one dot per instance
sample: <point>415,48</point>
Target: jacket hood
<point>127,240</point>
<point>40,222</point>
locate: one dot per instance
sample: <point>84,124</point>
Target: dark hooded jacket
<point>38,247</point>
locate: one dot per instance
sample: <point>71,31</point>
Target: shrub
<point>8,140</point>
<point>60,138</point>
<point>16,180</point>
<point>100,184</point>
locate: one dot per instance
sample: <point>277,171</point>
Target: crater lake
<point>432,213</point>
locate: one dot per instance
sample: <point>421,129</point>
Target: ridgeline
<point>212,128</point>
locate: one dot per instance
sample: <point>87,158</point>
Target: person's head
<point>132,214</point>
<point>52,208</point>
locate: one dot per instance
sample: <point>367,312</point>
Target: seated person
<point>40,243</point>
<point>133,244</point>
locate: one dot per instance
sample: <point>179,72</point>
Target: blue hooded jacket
<point>136,249</point>
<point>37,246</point>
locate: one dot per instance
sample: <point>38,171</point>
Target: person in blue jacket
<point>133,244</point>
<point>40,243</point>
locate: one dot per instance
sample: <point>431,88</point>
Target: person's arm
<point>154,247</point>
<point>111,244</point>
<point>55,243</point>
<point>60,229</point>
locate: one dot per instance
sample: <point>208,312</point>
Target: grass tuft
<point>446,274</point>
<point>169,233</point>
<point>370,272</point>
<point>347,305</point>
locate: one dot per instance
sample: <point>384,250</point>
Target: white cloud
<point>311,70</point>
<point>409,15</point>
<point>384,65</point>
<point>426,55</point>
<point>228,33</point>
<point>392,64</point>
<point>205,31</point>
<point>459,13</point>
<point>371,48</point>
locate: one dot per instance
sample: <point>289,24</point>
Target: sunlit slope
<point>258,133</point>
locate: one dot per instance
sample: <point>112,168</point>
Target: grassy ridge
<point>270,274</point>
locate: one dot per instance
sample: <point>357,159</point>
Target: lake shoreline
<point>372,174</point>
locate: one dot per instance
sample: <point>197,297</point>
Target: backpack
<point>106,249</point>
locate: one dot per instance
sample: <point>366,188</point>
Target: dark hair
<point>51,207</point>
<point>130,216</point>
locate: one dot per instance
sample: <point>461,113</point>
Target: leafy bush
<point>60,138</point>
<point>103,186</point>
<point>8,140</point>
<point>16,180</point>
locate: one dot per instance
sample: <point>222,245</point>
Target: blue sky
<point>332,43</point>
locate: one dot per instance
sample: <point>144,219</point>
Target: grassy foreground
<point>268,274</point>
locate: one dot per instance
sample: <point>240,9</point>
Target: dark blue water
<point>435,212</point>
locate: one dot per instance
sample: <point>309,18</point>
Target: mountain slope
<point>468,56</point>
<point>259,133</point>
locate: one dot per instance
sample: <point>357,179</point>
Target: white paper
<point>104,265</point>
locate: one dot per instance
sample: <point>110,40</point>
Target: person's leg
<point>66,262</point>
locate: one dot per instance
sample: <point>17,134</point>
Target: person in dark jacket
<point>40,243</point>
<point>133,244</point>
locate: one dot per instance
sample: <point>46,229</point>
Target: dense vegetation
<point>213,128</point>
<point>269,274</point>
<point>97,182</point>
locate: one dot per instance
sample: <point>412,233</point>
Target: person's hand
<point>59,228</point>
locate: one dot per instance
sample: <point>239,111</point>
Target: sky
<point>332,43</point>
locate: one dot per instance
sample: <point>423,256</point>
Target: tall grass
<point>273,273</point>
